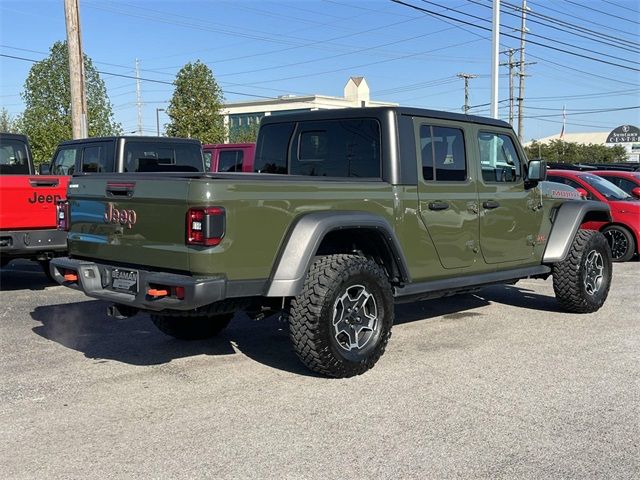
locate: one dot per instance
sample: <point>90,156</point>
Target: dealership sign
<point>624,134</point>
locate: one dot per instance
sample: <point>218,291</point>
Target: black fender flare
<point>568,218</point>
<point>306,235</point>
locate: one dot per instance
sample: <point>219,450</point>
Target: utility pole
<point>158,110</point>
<point>139,97</point>
<point>495,58</point>
<point>76,70</point>
<point>511,66</point>
<point>523,32</point>
<point>466,77</point>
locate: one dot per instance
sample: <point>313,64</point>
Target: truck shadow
<point>84,327</point>
<point>23,275</point>
<point>520,297</point>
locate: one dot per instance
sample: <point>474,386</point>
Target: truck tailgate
<point>120,219</point>
<point>29,201</point>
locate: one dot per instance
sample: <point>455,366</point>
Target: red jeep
<point>28,206</point>
<point>229,157</point>
<point>623,232</point>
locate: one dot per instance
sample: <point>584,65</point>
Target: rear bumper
<point>30,243</point>
<point>94,280</point>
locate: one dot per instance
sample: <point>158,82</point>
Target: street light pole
<point>495,58</point>
<point>158,110</point>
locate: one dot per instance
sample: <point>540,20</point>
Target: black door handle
<point>438,205</point>
<point>490,204</point>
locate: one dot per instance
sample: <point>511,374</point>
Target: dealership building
<point>627,136</point>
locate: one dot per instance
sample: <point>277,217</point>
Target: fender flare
<point>569,216</point>
<point>305,237</point>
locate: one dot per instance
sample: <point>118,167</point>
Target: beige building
<point>245,114</point>
<point>626,136</point>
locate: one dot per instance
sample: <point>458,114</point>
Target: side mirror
<point>44,169</point>
<point>537,171</point>
<point>583,193</point>
<point>636,192</point>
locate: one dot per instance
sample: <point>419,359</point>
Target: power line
<point>564,12</point>
<point>565,27</point>
<point>635,22</point>
<point>616,4</point>
<point>589,112</point>
<point>152,80</point>
<point>476,17</point>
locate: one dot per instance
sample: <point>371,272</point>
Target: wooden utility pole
<point>76,70</point>
<point>466,77</point>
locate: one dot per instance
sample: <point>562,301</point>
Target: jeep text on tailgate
<point>348,212</point>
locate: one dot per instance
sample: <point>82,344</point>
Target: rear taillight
<point>205,225</point>
<point>62,214</point>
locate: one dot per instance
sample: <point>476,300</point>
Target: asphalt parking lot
<point>500,384</point>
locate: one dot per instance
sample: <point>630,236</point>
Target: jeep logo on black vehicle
<point>123,217</point>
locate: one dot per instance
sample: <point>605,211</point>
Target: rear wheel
<point>621,241</point>
<point>581,281</point>
<point>191,328</point>
<point>341,322</point>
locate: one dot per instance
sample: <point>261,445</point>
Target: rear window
<point>162,157</point>
<point>333,148</point>
<point>13,157</point>
<point>230,160</point>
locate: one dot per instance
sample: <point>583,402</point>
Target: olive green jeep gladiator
<point>348,212</point>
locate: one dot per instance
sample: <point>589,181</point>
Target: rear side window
<point>272,148</point>
<point>498,158</point>
<point>65,161</point>
<point>443,154</point>
<point>13,158</point>
<point>95,159</point>
<point>337,148</point>
<point>333,148</point>
<point>162,157</point>
<point>230,160</point>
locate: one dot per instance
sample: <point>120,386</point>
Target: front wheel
<point>341,322</point>
<point>581,281</point>
<point>621,242</point>
<point>191,328</point>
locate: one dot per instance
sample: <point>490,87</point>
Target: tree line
<point>568,152</point>
<point>195,108</point>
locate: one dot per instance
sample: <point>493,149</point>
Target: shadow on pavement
<point>520,297</point>
<point>24,275</point>
<point>84,326</point>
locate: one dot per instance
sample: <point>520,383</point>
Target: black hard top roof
<point>136,138</point>
<point>378,111</point>
<point>14,136</point>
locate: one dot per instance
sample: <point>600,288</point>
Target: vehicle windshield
<point>13,157</point>
<point>606,188</point>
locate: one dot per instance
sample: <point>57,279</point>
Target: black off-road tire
<point>575,278</point>
<point>621,241</point>
<point>191,327</point>
<point>331,283</point>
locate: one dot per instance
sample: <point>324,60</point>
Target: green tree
<point>196,104</point>
<point>8,123</point>
<point>569,152</point>
<point>246,134</point>
<point>47,96</point>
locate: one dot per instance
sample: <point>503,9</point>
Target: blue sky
<point>270,48</point>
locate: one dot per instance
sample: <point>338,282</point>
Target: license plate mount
<point>124,280</point>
